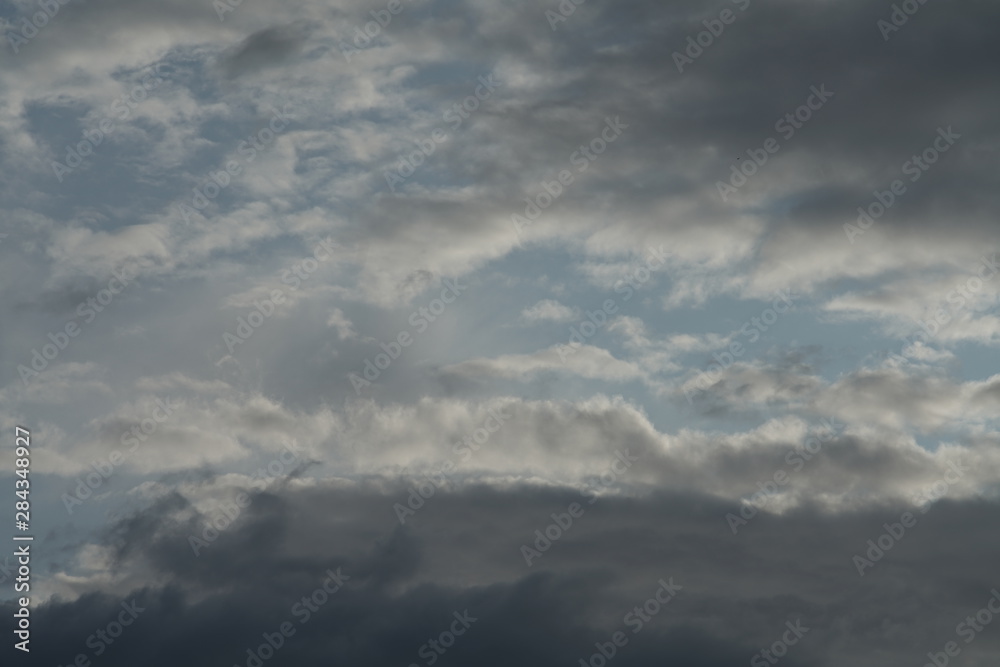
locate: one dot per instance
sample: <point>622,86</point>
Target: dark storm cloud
<point>271,47</point>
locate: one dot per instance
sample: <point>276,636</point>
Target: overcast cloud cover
<point>508,333</point>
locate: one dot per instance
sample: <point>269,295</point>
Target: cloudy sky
<point>449,332</point>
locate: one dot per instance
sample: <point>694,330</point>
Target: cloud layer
<point>505,311</point>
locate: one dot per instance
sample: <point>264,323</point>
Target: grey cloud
<point>271,47</point>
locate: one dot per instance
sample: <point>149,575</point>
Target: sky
<point>447,332</point>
